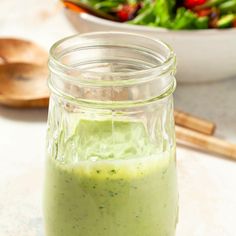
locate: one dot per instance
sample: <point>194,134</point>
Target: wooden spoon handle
<point>188,121</point>
<point>206,142</point>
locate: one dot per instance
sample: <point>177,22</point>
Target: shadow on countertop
<point>24,115</point>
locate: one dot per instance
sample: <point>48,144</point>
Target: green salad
<point>171,14</point>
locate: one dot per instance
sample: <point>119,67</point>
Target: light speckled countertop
<point>207,184</point>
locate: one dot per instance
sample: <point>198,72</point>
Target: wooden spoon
<point>23,85</point>
<point>17,50</point>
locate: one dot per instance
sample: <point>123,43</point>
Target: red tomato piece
<point>127,12</point>
<point>193,3</point>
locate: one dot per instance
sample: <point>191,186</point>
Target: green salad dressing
<point>115,184</point>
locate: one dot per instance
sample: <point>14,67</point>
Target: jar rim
<point>159,70</point>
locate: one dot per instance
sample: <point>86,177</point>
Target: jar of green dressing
<point>110,166</point>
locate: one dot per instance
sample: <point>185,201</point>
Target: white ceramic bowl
<point>202,55</point>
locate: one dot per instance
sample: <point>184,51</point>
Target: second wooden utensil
<point>194,123</point>
<point>206,142</point>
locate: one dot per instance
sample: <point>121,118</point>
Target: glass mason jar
<point>110,168</point>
